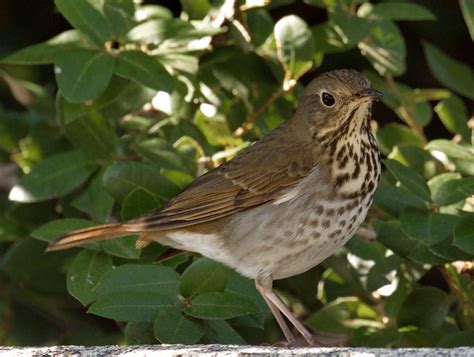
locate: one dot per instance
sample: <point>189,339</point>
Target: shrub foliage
<point>147,101</point>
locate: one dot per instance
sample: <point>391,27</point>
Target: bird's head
<point>337,100</point>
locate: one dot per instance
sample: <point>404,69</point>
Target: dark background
<point>25,22</point>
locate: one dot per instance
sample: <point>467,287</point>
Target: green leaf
<point>422,254</point>
<point>341,316</point>
<point>121,97</point>
<point>390,234</point>
<point>221,306</point>
<point>260,26</point>
<point>139,333</point>
<point>119,15</point>
<point>122,247</point>
<point>426,226</point>
<point>464,234</point>
<point>46,52</point>
<point>386,48</point>
<point>350,28</point>
<point>169,34</point>
<point>196,9</point>
<point>95,201</point>
<point>458,338</point>
<point>454,190</point>
<point>53,177</point>
<point>453,74</point>
<point>223,333</point>
<point>451,149</point>
<point>424,307</point>
<point>138,306</point>
<point>89,127</point>
<point>453,114</point>
<point>295,45</point>
<point>57,228</point>
<point>401,11</point>
<point>84,17</point>
<point>161,153</point>
<point>395,134</point>
<point>394,199</point>
<point>82,74</point>
<point>412,181</point>
<point>138,202</point>
<point>467,8</point>
<point>172,326</point>
<point>144,69</point>
<point>203,276</point>
<point>148,12</point>
<point>85,272</point>
<point>139,278</point>
<point>122,178</point>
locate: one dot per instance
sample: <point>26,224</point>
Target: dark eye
<point>327,99</point>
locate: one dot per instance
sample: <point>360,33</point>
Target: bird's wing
<point>263,172</point>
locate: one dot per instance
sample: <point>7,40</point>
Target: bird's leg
<point>276,313</point>
<point>264,286</point>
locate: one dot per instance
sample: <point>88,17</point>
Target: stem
<point>406,112</point>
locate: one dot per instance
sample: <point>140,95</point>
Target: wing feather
<point>263,172</point>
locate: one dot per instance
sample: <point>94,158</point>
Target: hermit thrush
<point>283,205</point>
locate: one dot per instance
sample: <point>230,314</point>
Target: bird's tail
<point>88,235</point>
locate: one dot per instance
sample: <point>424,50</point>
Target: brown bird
<point>284,204</point>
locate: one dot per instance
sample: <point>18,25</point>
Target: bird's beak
<point>368,95</point>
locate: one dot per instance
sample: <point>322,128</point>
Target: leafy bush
<point>147,101</point>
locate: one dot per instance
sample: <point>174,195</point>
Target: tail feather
<point>88,235</point>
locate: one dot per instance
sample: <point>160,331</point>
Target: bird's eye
<point>327,99</point>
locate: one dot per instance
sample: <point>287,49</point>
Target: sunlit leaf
<point>53,177</point>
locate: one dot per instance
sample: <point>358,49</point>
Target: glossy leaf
<point>47,52</point>
<point>424,307</point>
<point>453,114</point>
<point>220,306</point>
<point>386,49</point>
<point>401,11</point>
<point>138,306</point>
<point>144,69</point>
<point>142,278</point>
<point>84,274</point>
<point>196,9</point>
<point>426,226</point>
<point>138,202</point>
<point>394,199</point>
<point>467,8</point>
<point>83,75</point>
<point>123,247</point>
<point>409,179</point>
<point>95,201</point>
<point>55,229</point>
<point>295,45</point>
<point>172,326</point>
<point>53,177</point>
<point>203,276</point>
<point>454,190</point>
<point>123,178</point>
<point>450,72</point>
<point>84,17</point>
<point>464,234</point>
<point>119,15</point>
<point>452,150</point>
